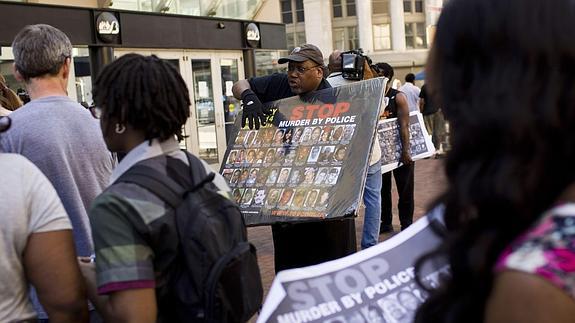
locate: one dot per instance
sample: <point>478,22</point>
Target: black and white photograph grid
<point>286,168</point>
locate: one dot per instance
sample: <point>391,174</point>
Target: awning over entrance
<point>420,75</point>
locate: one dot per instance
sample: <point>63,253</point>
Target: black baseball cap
<point>303,53</point>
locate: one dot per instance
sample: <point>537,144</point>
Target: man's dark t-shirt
<point>304,244</point>
<point>428,106</point>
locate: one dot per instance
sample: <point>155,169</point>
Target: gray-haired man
<point>57,134</point>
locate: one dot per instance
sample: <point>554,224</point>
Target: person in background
<point>54,132</point>
<point>36,246</point>
<point>9,101</point>
<point>372,189</point>
<point>510,195</point>
<point>315,242</point>
<point>411,92</point>
<point>433,118</point>
<point>142,103</point>
<point>404,175</point>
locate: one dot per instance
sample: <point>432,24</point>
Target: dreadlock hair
<point>506,87</point>
<point>145,92</point>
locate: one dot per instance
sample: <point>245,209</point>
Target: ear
<point>320,72</point>
<point>65,69</point>
<point>17,74</point>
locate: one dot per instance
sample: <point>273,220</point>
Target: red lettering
<point>341,107</point>
<point>325,111</point>
<point>297,113</point>
<point>322,114</point>
<point>310,110</point>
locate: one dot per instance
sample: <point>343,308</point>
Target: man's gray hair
<point>40,50</point>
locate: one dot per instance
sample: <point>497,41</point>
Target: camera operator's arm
<point>403,119</point>
<point>253,109</point>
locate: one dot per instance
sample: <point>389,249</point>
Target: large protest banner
<point>373,285</point>
<point>390,143</point>
<point>310,162</point>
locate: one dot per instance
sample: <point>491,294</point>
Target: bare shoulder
<point>526,298</point>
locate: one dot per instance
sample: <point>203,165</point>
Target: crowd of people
<point>75,232</point>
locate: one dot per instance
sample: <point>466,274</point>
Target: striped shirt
<point>133,238</point>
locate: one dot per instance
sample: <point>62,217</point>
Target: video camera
<point>353,64</point>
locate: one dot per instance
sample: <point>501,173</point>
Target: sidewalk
<point>429,182</point>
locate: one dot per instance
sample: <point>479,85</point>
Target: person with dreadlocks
<point>510,198</point>
<point>142,103</point>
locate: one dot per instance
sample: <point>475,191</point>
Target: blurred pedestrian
<point>510,198</point>
<point>433,119</point>
<point>411,92</point>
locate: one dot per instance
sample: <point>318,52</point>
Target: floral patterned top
<point>547,249</point>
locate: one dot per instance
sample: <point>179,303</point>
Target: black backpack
<point>215,275</point>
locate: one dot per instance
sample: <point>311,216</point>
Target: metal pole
<point>100,56</point>
<point>249,62</point>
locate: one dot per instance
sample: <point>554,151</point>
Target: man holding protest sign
<point>300,244</point>
<point>397,107</point>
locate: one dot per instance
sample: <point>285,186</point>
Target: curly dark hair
<point>504,72</point>
<point>145,92</point>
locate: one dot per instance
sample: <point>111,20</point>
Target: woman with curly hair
<point>504,72</point>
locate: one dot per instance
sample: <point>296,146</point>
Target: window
<point>418,5</point>
<point>353,38</point>
<point>288,14</point>
<point>337,10</point>
<point>380,7</point>
<point>413,6</point>
<point>343,8</point>
<point>350,8</point>
<point>300,38</point>
<point>290,41</point>
<point>295,39</point>
<point>338,38</point>
<point>286,11</point>
<point>381,37</point>
<point>345,38</point>
<point>407,6</point>
<point>299,10</point>
<point>415,36</point>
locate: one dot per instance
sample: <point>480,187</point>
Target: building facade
<point>394,31</point>
<point>212,43</point>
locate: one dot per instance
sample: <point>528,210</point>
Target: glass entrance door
<point>205,110</point>
<point>229,75</point>
<point>213,74</point>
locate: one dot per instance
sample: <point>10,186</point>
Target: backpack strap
<point>163,186</point>
<point>198,171</point>
<point>159,184</point>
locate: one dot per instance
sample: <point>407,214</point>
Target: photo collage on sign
<point>391,144</point>
<point>399,307</point>
<point>287,168</point>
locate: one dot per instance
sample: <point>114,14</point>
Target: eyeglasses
<point>300,70</point>
<point>5,123</point>
<point>95,111</point>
